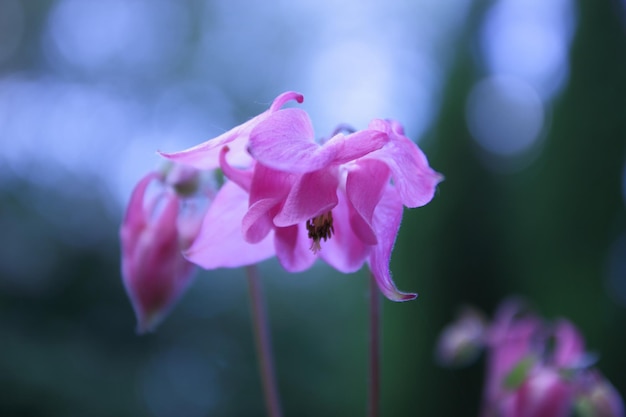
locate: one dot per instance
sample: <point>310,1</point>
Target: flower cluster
<point>287,195</point>
<point>534,368</point>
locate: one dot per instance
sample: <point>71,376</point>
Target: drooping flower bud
<point>153,234</point>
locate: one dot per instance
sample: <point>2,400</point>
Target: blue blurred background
<point>521,104</point>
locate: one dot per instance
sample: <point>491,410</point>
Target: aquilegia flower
<point>154,231</point>
<point>341,200</point>
<point>535,368</point>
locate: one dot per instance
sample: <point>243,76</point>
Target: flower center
<point>320,227</point>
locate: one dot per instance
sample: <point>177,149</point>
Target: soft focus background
<point>521,104</point>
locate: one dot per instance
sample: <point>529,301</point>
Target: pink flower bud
<point>152,235</point>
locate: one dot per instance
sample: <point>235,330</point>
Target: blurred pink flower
<point>152,235</point>
<point>536,369</point>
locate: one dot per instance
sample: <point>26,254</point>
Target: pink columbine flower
<point>341,200</point>
<point>535,368</point>
<point>153,234</point>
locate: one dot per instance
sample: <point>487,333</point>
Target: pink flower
<point>152,235</point>
<point>537,369</point>
<point>335,200</point>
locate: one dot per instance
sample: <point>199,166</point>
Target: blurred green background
<point>525,117</point>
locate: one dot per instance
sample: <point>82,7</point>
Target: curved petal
<point>267,192</point>
<point>341,149</point>
<point>313,194</point>
<point>292,248</point>
<point>269,183</point>
<point>135,217</point>
<point>257,222</point>
<point>569,347</point>
<point>285,141</point>
<point>365,185</point>
<point>344,251</point>
<point>242,178</point>
<point>206,154</point>
<point>284,98</point>
<point>220,242</point>
<point>415,179</point>
<point>387,217</point>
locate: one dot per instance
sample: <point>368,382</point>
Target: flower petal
<point>292,248</point>
<point>242,178</point>
<point>415,179</point>
<point>135,218</point>
<point>569,348</point>
<point>206,154</point>
<point>284,98</point>
<point>313,194</point>
<point>387,217</point>
<point>341,149</point>
<point>344,251</point>
<point>365,185</point>
<point>268,190</point>
<point>285,141</point>
<point>220,242</point>
<point>257,222</point>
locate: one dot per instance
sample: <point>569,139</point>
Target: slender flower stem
<point>374,371</point>
<point>263,343</point>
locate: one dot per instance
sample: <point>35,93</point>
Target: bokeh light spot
<point>505,115</point>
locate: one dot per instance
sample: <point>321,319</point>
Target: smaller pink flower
<point>153,234</point>
<point>540,369</point>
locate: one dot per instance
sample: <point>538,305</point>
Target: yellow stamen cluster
<point>320,227</point>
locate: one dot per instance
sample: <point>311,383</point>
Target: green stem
<point>263,343</point>
<point>374,341</point>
